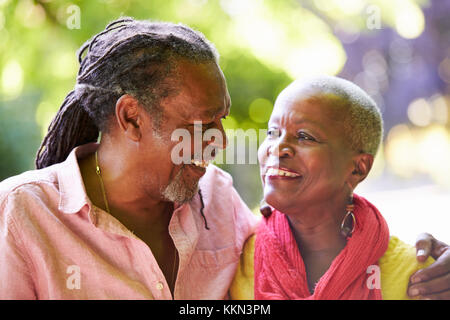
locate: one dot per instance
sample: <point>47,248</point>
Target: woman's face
<point>305,159</point>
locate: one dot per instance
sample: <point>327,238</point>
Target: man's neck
<point>134,209</point>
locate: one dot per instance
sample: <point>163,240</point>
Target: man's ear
<point>128,117</point>
<point>362,163</point>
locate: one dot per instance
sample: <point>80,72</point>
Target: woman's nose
<point>280,150</point>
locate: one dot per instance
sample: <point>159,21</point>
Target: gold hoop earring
<point>265,209</point>
<point>347,231</point>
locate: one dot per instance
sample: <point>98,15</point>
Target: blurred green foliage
<point>258,42</point>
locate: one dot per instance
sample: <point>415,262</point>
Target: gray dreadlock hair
<point>128,57</point>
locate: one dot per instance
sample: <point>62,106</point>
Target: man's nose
<point>220,142</point>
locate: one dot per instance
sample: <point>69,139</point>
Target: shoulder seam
<point>22,251</point>
<point>15,188</point>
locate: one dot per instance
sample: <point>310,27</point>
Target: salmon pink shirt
<point>55,244</point>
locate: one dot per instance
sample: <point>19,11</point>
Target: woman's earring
<point>265,209</point>
<point>348,228</point>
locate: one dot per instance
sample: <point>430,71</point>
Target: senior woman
<point>319,240</point>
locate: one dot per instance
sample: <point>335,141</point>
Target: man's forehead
<point>202,92</point>
<point>189,111</point>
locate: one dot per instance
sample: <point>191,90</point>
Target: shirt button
<point>159,285</point>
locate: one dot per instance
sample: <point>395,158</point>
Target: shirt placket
<point>148,267</point>
<point>151,272</point>
<point>184,232</point>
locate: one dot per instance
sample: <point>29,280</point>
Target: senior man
<point>120,219</point>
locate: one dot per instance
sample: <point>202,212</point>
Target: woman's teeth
<point>280,172</point>
<point>200,163</point>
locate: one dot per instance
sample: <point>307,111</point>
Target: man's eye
<point>201,128</point>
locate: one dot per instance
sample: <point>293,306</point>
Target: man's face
<point>202,97</point>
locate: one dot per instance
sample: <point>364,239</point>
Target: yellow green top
<point>397,265</point>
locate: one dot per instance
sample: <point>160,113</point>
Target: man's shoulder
<point>215,177</point>
<point>29,182</point>
<point>223,204</point>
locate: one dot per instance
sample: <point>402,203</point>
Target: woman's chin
<point>276,200</point>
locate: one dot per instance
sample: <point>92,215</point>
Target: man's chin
<point>182,198</point>
<point>178,191</point>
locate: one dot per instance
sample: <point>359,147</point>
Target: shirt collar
<point>185,225</point>
<point>73,196</point>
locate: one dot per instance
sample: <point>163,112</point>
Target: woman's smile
<point>276,175</point>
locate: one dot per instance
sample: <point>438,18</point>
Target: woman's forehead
<point>314,106</point>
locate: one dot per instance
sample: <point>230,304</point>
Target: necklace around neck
<point>99,174</point>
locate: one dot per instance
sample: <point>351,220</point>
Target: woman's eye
<point>305,137</point>
<point>273,133</point>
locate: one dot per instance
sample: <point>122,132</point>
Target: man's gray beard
<point>177,191</point>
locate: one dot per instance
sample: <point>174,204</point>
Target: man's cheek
<point>180,147</point>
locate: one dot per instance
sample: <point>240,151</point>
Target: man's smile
<point>201,163</point>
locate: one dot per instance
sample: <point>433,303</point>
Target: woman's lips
<point>274,172</point>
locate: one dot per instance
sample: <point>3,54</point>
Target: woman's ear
<point>362,163</point>
<point>128,117</point>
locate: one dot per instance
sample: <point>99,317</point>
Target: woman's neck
<point>318,236</point>
<point>317,229</point>
<point>319,239</point>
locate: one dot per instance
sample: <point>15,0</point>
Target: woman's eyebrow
<point>307,121</point>
<point>296,120</point>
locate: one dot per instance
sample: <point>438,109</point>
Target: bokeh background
<point>397,50</point>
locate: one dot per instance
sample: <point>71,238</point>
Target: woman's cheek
<point>262,152</point>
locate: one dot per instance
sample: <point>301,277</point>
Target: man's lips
<point>199,166</point>
<point>201,163</point>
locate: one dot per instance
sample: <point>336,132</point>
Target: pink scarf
<point>280,271</point>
